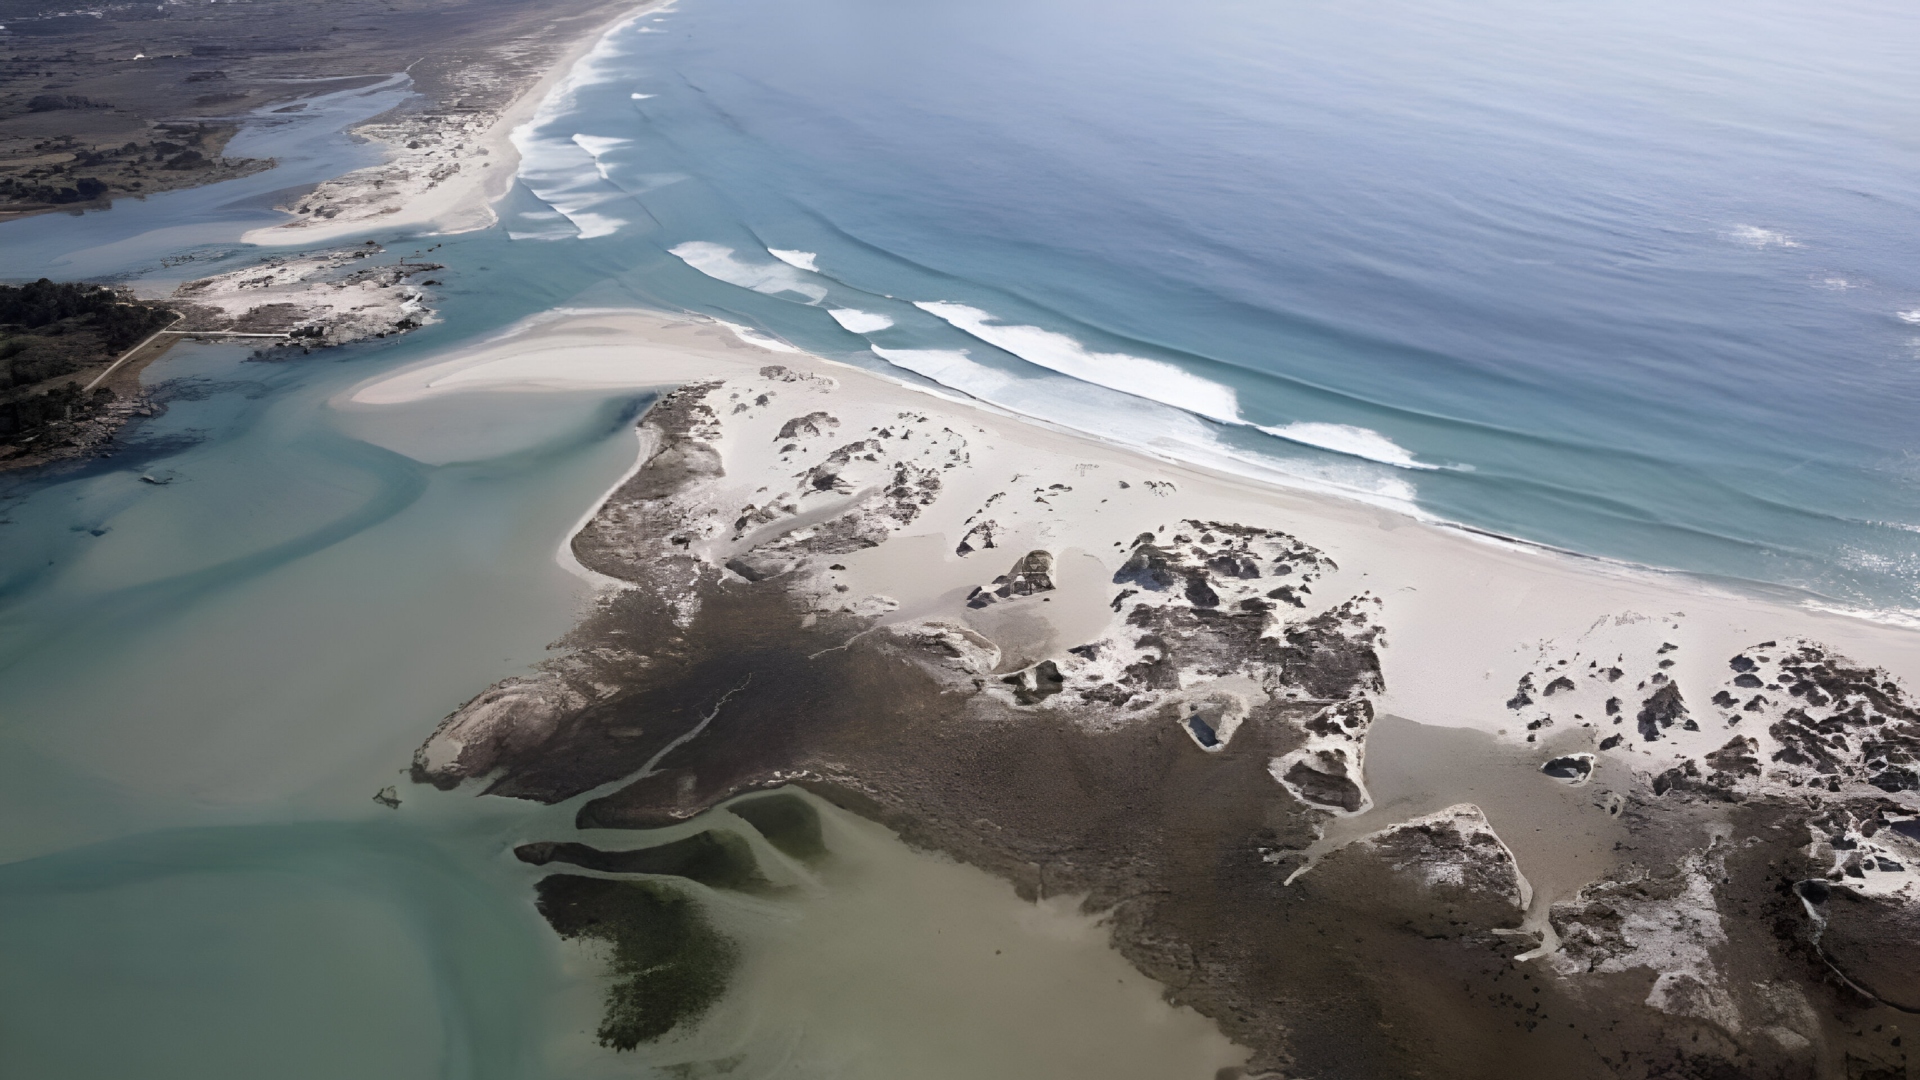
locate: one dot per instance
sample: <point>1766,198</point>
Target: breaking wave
<point>566,175</point>
<point>718,261</point>
<point>1155,380</point>
<point>1155,427</point>
<point>801,259</point>
<point>1347,439</point>
<point>859,322</point>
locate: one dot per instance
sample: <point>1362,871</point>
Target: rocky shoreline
<point>311,301</point>
<point>840,589</point>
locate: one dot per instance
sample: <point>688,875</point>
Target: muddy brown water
<point>1562,834</point>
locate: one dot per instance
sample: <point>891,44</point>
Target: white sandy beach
<point>443,177</point>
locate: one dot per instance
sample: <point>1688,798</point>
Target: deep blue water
<point>1632,274</point>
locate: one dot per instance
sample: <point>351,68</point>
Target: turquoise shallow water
<point>1630,280</point>
<point>203,683</point>
<point>316,950</point>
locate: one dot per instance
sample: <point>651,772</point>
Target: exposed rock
<point>1032,573</point>
<point>1573,768</point>
<point>1035,684</point>
<point>326,298</point>
<point>1660,711</point>
<point>1852,725</point>
<point>814,423</point>
<point>977,537</point>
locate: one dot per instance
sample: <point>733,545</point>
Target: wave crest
<point>717,261</point>
<point>856,321</point>
<point>1155,380</point>
<point>799,259</point>
<point>1350,440</point>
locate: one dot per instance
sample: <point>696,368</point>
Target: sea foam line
<point>1137,376</point>
<point>1160,381</point>
<point>1146,425</point>
<point>800,259</point>
<point>719,262</point>
<point>860,322</point>
<point>1350,440</point>
<point>1116,371</point>
<point>550,164</point>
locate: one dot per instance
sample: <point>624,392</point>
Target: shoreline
<point>462,201</point>
<point>451,372</point>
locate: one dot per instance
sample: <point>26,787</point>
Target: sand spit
<point>1095,673</point>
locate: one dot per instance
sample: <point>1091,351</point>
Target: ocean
<point>1625,279</point>
<point>1630,280</point>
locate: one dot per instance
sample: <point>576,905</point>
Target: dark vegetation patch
<point>720,860</point>
<point>51,334</point>
<point>788,822</point>
<point>68,172</point>
<point>669,964</point>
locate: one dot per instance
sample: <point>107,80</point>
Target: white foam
<point>1150,426</point>
<point>801,259</point>
<point>755,337</point>
<point>567,177</point>
<point>1912,317</point>
<point>860,322</point>
<point>1347,439</point>
<point>554,164</point>
<point>718,261</point>
<point>599,146</point>
<point>949,367</point>
<point>1904,619</point>
<point>642,97</point>
<point>641,183</point>
<point>1754,236</point>
<point>1154,380</point>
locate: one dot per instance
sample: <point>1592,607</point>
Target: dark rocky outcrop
<point>1660,711</point>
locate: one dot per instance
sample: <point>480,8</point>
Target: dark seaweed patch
<point>788,823</point>
<point>668,963</point>
<point>721,860</point>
